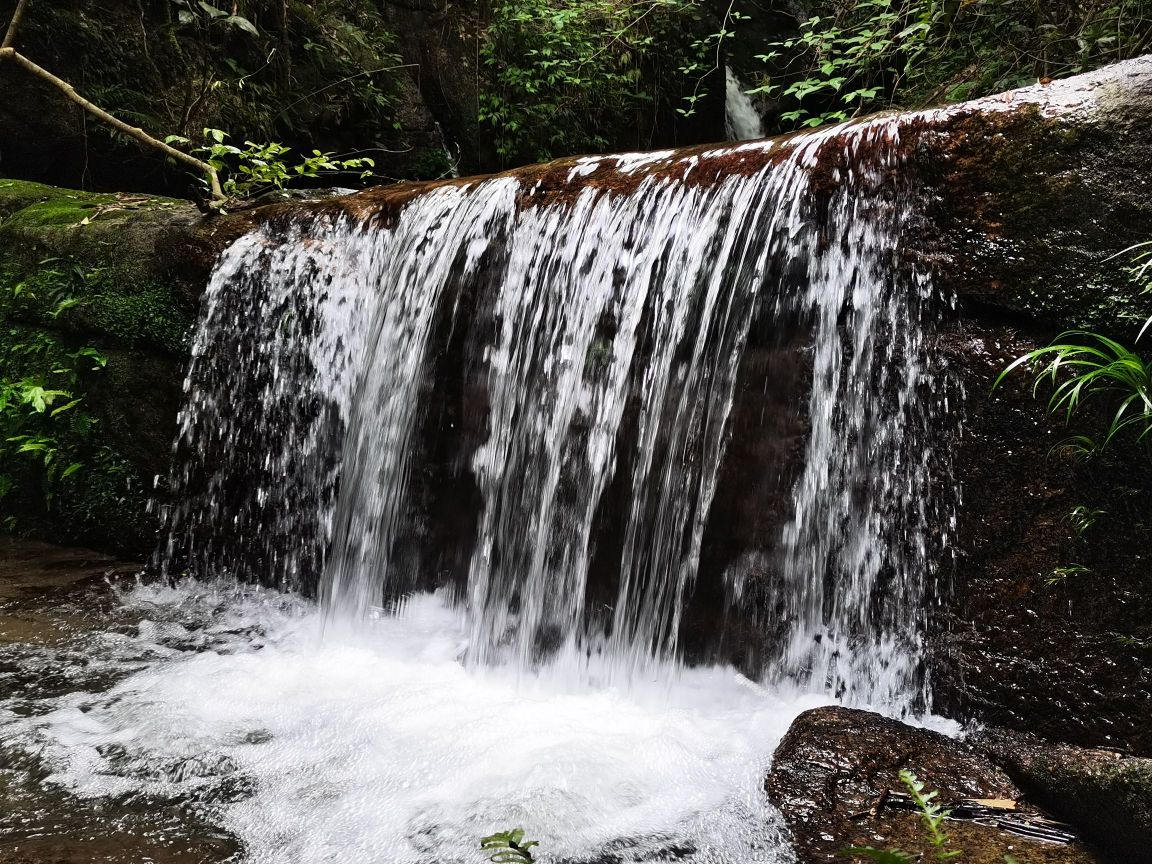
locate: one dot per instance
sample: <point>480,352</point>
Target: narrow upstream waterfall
<point>603,336</point>
<point>742,122</point>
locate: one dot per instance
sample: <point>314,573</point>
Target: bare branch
<point>10,35</point>
<point>9,53</point>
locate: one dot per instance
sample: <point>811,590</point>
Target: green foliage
<point>309,73</point>
<point>703,58</point>
<point>45,433</point>
<point>1080,365</point>
<point>1061,574</point>
<point>860,55</point>
<point>848,59</point>
<point>509,847</point>
<point>259,168</point>
<point>1082,518</point>
<point>113,301</point>
<point>190,12</point>
<point>564,75</point>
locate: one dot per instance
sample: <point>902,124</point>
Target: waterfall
<point>741,119</point>
<point>594,327</point>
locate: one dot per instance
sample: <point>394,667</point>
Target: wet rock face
<point>1031,214</point>
<point>835,773</point>
<point>1107,795</point>
<point>1020,640</point>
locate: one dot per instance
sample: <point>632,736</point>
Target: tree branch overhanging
<point>8,52</point>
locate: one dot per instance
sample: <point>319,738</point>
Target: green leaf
<point>66,407</point>
<point>508,847</point>
<point>65,305</point>
<point>242,23</point>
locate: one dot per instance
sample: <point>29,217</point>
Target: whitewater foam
<point>380,745</point>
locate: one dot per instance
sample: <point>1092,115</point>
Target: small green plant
<point>1080,364</point>
<point>931,814</point>
<point>509,847</point>
<point>1082,517</point>
<point>254,169</point>
<point>1061,574</point>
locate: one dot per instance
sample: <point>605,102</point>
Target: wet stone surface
<point>52,601</point>
<point>1108,794</point>
<point>835,776</point>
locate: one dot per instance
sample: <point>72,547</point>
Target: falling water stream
<point>596,340</point>
<point>742,121</point>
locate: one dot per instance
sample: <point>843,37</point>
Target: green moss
<point>151,314</point>
<point>84,271</point>
<point>95,252</point>
<point>17,194</point>
<point>63,210</point>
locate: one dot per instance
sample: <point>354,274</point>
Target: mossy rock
<point>122,275</point>
<point>1107,795</point>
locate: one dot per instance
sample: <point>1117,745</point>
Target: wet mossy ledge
<point>98,295</point>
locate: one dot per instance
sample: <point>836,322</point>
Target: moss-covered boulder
<point>97,296</point>
<point>1109,795</point>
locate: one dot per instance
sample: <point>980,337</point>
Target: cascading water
<point>870,518</point>
<point>489,424</point>
<point>611,328</point>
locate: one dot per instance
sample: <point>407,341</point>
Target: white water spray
<point>591,341</point>
<point>742,121</point>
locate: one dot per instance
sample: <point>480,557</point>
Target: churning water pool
<point>221,723</point>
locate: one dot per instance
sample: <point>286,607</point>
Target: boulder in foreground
<point>835,778</point>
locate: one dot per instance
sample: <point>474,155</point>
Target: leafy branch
<point>256,168</point>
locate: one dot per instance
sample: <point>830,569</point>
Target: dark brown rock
<point>1017,643</point>
<point>835,767</point>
